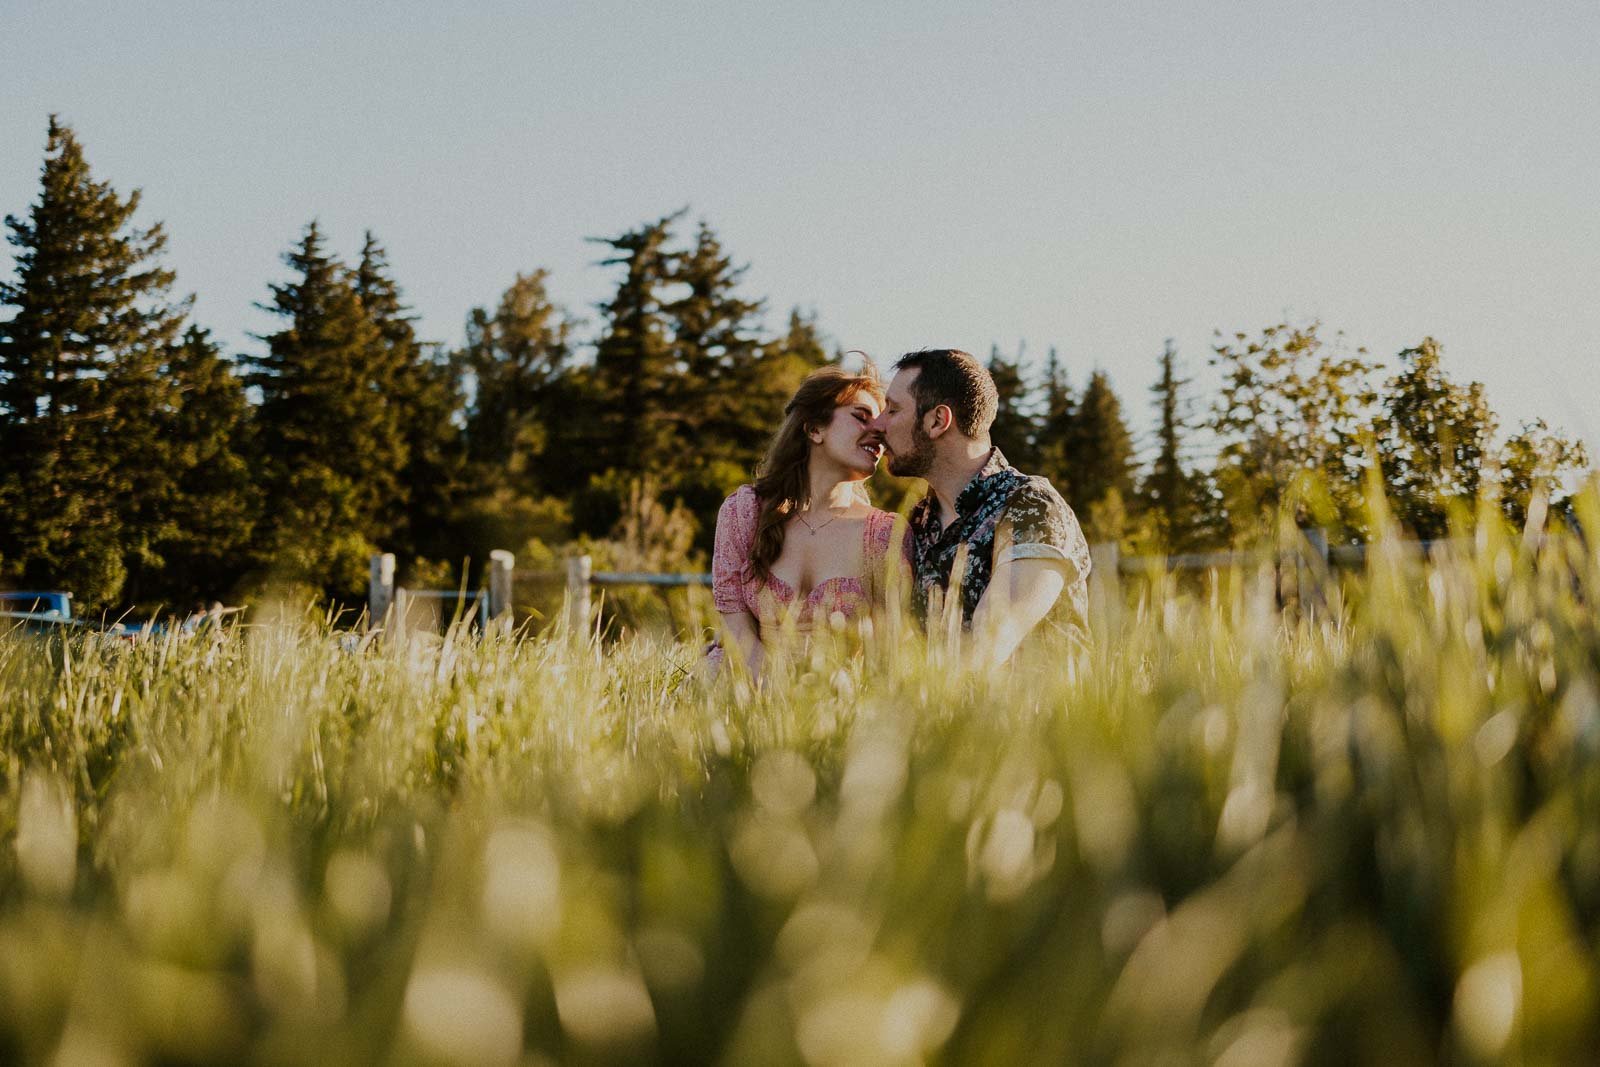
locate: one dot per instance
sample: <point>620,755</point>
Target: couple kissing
<point>803,543</point>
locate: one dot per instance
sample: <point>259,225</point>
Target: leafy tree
<point>330,448</point>
<point>1291,418</point>
<point>1434,437</point>
<point>80,362</point>
<point>1535,460</point>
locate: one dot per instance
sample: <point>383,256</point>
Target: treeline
<point>141,465</point>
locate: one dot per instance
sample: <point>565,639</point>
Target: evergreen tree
<point>634,383</point>
<point>519,360</point>
<point>419,408</point>
<point>80,360</point>
<point>1169,495</point>
<point>728,396</point>
<point>1098,453</point>
<point>1016,430</point>
<point>330,450</point>
<point>1055,417</point>
<point>216,504</point>
<point>801,343</point>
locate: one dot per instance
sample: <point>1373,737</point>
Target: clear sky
<point>1097,175</point>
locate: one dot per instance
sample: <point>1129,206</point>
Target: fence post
<point>380,590</point>
<point>398,613</point>
<point>579,570</point>
<point>1310,591</point>
<point>1105,584</point>
<point>501,565</point>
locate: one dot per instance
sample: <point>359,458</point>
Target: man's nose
<point>880,423</point>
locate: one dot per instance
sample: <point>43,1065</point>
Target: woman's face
<point>847,439</point>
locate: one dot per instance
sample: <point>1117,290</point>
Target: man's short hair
<point>953,377</point>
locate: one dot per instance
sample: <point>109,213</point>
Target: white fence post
<point>380,590</point>
<point>501,566</point>
<point>579,570</point>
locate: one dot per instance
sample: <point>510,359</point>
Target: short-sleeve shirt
<point>1001,515</point>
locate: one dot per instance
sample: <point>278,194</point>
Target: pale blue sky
<point>1098,176</point>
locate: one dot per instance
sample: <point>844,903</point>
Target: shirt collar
<point>970,494</point>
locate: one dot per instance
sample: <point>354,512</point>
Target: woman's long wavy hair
<point>783,481</point>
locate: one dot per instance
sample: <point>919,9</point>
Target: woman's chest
<point>813,558</point>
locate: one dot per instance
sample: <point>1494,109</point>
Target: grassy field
<point>1225,834</point>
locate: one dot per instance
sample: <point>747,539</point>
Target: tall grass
<point>1223,834</point>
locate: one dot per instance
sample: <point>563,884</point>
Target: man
<point>1023,547</point>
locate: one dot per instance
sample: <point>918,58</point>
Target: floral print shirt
<point>1001,515</point>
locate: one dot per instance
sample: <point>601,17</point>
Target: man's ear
<point>938,419</point>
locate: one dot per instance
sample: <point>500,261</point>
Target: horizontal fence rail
<point>494,609</point>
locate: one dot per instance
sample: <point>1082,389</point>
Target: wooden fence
<point>1299,567</point>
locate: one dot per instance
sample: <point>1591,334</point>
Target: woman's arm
<point>745,636</point>
<point>730,559</point>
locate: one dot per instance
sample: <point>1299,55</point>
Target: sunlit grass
<point>1367,830</point>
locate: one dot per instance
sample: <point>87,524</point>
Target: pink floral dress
<point>735,588</point>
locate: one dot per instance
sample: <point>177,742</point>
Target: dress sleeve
<point>730,555</point>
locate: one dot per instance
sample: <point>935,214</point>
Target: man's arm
<point>1021,593</point>
<point>1040,556</point>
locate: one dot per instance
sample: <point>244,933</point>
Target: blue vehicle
<point>36,611</point>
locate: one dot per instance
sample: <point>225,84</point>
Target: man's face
<point>910,448</point>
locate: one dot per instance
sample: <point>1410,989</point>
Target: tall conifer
<point>417,413</point>
<point>329,449</point>
<point>80,361</point>
<point>1016,429</point>
<point>1097,448</point>
<point>634,379</point>
<point>519,360</point>
<point>1168,493</point>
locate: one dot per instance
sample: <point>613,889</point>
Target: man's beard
<point>917,462</point>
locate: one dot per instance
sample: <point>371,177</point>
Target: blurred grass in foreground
<point>1224,835</point>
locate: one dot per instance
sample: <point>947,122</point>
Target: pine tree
<point>1016,429</point>
<point>80,361</point>
<point>1057,407</point>
<point>419,409</point>
<point>801,342</point>
<point>216,504</point>
<point>329,449</point>
<point>729,397</point>
<point>519,362</point>
<point>1168,494</point>
<point>1098,452</point>
<point>634,378</point>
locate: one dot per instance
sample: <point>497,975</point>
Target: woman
<point>803,538</point>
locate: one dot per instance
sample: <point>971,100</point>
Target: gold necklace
<point>810,528</point>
